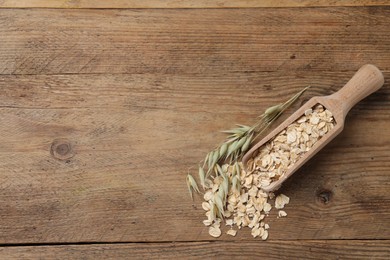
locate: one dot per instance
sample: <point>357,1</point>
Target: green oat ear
<point>245,146</point>
<point>191,184</point>
<point>238,141</point>
<point>202,177</point>
<point>219,204</point>
<point>223,150</point>
<point>272,110</point>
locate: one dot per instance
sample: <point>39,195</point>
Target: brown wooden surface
<point>103,111</point>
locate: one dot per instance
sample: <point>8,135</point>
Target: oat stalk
<point>238,141</point>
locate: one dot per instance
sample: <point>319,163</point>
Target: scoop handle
<point>366,80</point>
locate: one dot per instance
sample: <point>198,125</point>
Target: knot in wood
<point>324,196</point>
<point>61,149</point>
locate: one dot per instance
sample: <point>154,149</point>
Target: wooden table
<point>103,111</point>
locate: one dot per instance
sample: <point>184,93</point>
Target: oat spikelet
<point>191,184</point>
<point>202,177</point>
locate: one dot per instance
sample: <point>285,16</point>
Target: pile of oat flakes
<point>245,203</point>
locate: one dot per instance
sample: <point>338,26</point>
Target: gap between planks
<point>215,241</point>
<point>185,3</point>
<point>313,249</point>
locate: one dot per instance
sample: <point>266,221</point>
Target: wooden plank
<point>171,93</point>
<point>311,249</point>
<point>102,158</point>
<point>184,3</point>
<point>188,41</point>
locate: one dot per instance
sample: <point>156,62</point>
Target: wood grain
<point>312,249</point>
<point>103,111</point>
<point>122,178</point>
<point>184,3</point>
<point>191,41</point>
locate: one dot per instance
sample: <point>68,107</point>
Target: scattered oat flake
<point>265,235</point>
<point>217,223</point>
<point>255,232</point>
<point>282,213</point>
<point>232,232</point>
<point>215,231</point>
<point>229,222</point>
<point>208,195</point>
<point>281,200</point>
<point>206,206</point>
<point>207,222</point>
<point>267,207</point>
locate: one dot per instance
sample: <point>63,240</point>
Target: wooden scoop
<point>367,80</point>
